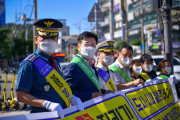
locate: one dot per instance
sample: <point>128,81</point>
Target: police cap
<point>107,46</point>
<point>48,27</point>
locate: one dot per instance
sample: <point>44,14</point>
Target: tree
<point>76,50</point>
<point>5,46</point>
<point>136,42</point>
<point>22,48</point>
<point>12,44</point>
<point>120,43</point>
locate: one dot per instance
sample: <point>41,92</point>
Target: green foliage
<point>5,46</point>
<point>76,51</point>
<point>120,43</point>
<point>14,45</point>
<point>136,42</point>
<point>23,47</point>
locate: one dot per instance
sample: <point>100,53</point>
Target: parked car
<point>158,58</point>
<point>63,65</point>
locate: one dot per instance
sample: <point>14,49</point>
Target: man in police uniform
<point>81,74</point>
<point>105,54</point>
<point>32,87</point>
<point>121,73</point>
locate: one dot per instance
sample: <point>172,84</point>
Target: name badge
<point>46,88</point>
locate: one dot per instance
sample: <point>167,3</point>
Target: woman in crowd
<point>165,68</point>
<point>135,69</point>
<point>147,66</point>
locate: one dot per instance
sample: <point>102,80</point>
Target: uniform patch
<point>48,23</point>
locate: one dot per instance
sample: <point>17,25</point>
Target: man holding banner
<point>121,73</point>
<point>106,57</point>
<point>81,74</point>
<point>40,84</point>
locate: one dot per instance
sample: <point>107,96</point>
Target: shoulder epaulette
<point>32,58</point>
<point>97,69</point>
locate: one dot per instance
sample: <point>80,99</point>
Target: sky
<point>74,11</point>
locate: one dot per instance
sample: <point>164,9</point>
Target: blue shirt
<point>79,82</point>
<point>31,81</point>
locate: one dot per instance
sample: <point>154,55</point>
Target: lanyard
<point>87,70</point>
<point>114,68</point>
<point>53,77</point>
<point>105,76</point>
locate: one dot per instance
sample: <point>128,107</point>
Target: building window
<point>104,2</point>
<point>105,29</point>
<point>106,14</point>
<point>118,25</point>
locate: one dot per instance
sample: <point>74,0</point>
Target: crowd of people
<point>43,87</point>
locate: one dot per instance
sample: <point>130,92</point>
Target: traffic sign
<point>91,16</point>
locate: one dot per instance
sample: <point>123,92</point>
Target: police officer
<point>121,69</point>
<point>33,87</point>
<point>147,68</point>
<point>81,74</point>
<point>105,54</point>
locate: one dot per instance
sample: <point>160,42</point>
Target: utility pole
<point>15,29</point>
<point>25,26</point>
<point>96,18</point>
<point>142,29</point>
<point>166,13</point>
<point>35,18</point>
<point>124,20</point>
<point>160,26</point>
<point>111,17</point>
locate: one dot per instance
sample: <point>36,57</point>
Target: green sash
<point>163,76</point>
<point>114,68</point>
<point>87,70</point>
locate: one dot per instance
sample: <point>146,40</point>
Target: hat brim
<point>107,50</point>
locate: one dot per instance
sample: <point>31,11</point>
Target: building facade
<point>137,10</point>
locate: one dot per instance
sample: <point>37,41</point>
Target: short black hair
<point>129,47</point>
<point>87,34</point>
<point>146,57</point>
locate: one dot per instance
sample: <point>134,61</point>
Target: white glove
<point>54,107</point>
<point>77,101</point>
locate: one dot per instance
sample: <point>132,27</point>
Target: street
<point>8,88</point>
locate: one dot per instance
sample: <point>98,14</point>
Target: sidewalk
<point>13,112</point>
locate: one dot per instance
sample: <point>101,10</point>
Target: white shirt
<point>116,76</point>
<point>101,81</point>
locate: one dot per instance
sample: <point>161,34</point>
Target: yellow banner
<point>151,99</point>
<point>154,101</point>
<point>171,113</point>
<point>60,85</point>
<point>116,108</point>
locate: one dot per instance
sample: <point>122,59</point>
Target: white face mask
<point>48,46</point>
<point>108,60</point>
<point>137,70</point>
<point>168,70</point>
<point>126,61</point>
<point>88,52</point>
<point>148,68</point>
